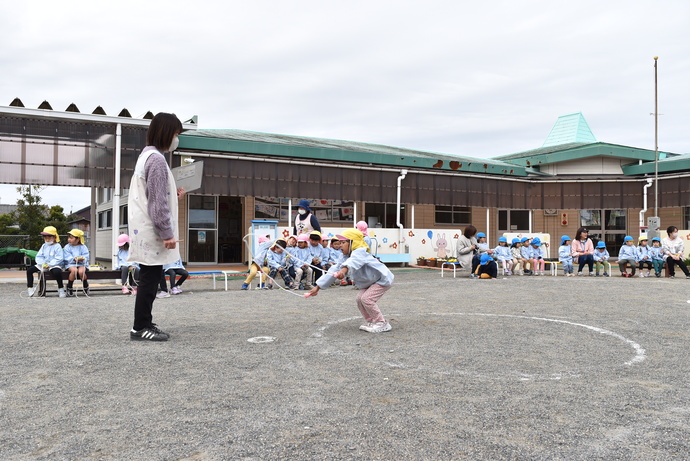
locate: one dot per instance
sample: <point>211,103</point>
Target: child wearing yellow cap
<point>76,256</point>
<point>49,258</point>
<point>369,274</point>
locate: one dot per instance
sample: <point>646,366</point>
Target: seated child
<point>363,227</point>
<point>303,271</point>
<point>482,248</point>
<point>643,252</point>
<point>316,251</point>
<point>290,255</point>
<point>502,255</point>
<point>275,260</point>
<point>627,255</point>
<point>537,257</point>
<point>526,253</point>
<point>50,258</point>
<point>370,275</point>
<point>487,268</point>
<point>601,259</point>
<point>565,257</point>
<point>518,262</point>
<point>172,270</point>
<point>76,256</point>
<point>258,264</point>
<point>129,271</point>
<point>657,254</point>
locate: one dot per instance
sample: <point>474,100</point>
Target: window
<point>202,212</point>
<point>383,214</point>
<point>124,220</point>
<point>686,217</point>
<point>513,220</point>
<point>105,219</point>
<point>453,215</point>
<point>324,210</point>
<point>611,229</point>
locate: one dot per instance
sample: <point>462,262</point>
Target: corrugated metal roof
<point>249,142</point>
<point>568,129</point>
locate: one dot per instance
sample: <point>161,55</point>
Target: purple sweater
<point>157,192</point>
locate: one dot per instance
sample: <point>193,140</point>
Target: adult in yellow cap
<point>49,258</point>
<point>76,260</point>
<point>369,274</point>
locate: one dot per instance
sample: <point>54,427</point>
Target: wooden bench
<point>91,275</point>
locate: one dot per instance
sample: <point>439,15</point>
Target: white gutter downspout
<point>644,201</point>
<point>403,173</point>
<point>488,237</point>
<point>115,224</point>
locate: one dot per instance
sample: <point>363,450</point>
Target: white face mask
<point>175,143</point>
<point>302,211</point>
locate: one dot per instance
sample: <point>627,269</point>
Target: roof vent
<point>72,108</point>
<point>45,105</point>
<point>98,111</point>
<point>148,115</point>
<point>194,120</point>
<point>124,113</point>
<point>16,102</point>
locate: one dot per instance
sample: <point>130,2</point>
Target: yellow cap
<point>77,233</point>
<point>51,230</point>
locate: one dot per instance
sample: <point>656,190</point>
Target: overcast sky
<point>476,79</point>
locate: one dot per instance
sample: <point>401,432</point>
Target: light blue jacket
<point>482,248</point>
<point>275,260</point>
<point>260,256</point>
<point>176,265</point>
<point>363,268</point>
<point>601,255</point>
<point>74,251</point>
<point>629,252</point>
<point>526,252</point>
<point>657,254</point>
<point>122,256</point>
<point>317,252</point>
<point>536,253</point>
<point>50,254</point>
<point>302,256</point>
<point>502,253</point>
<point>644,253</point>
<point>564,254</point>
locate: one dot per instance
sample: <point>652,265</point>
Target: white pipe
<point>403,173</point>
<point>115,224</point>
<point>412,218</point>
<point>291,222</point>
<point>354,214</point>
<point>488,239</point>
<point>644,201</point>
<point>530,221</point>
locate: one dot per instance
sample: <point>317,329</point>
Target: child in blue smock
<point>657,254</point>
<point>537,256</point>
<point>129,271</point>
<point>565,257</point>
<point>601,259</point>
<point>628,255</point>
<point>76,256</point>
<point>370,275</point>
<point>643,252</point>
<point>172,270</point>
<point>275,260</point>
<point>50,258</point>
<point>503,256</point>
<point>526,253</point>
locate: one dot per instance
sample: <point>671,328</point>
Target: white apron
<point>146,246</point>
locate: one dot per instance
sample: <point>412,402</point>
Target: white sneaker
<point>61,293</point>
<point>379,327</point>
<point>31,291</point>
<point>163,294</point>
<point>366,326</point>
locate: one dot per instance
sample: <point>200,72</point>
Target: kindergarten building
<point>416,202</point>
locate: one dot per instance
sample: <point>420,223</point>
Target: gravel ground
<point>515,368</point>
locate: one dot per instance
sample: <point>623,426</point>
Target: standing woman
<point>467,247</point>
<point>305,221</point>
<point>583,250</point>
<point>152,213</point>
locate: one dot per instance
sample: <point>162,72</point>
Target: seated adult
<point>467,247</point>
<point>674,248</point>
<point>583,250</point>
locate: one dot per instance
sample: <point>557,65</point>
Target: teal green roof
<point>666,165</point>
<point>572,128</point>
<point>276,145</point>
<point>575,151</point>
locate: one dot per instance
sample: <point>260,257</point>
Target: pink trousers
<point>366,302</point>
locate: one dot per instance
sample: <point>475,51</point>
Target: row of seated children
<point>524,256</point>
<point>53,258</point>
<point>642,256</point>
<point>299,260</point>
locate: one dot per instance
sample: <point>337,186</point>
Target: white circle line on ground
<point>640,353</point>
<point>262,339</point>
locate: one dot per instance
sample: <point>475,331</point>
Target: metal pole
<point>656,140</point>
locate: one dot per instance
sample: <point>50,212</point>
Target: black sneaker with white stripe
<point>152,333</point>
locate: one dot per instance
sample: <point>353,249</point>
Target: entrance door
<point>203,229</point>
<point>229,230</point>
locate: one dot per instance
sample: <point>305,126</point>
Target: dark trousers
<point>680,263</point>
<point>149,278</point>
<point>31,270</point>
<point>172,273</point>
<point>133,276</point>
<point>490,268</point>
<point>585,259</point>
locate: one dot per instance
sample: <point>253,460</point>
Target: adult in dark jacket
<point>305,221</point>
